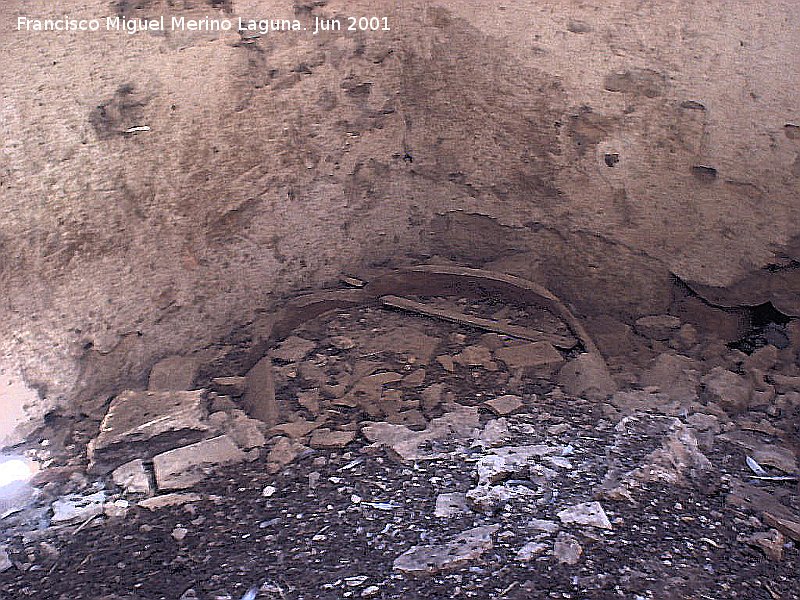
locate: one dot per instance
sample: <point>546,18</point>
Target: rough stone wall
<point>600,148</point>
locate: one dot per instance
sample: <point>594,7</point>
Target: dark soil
<point>336,521</point>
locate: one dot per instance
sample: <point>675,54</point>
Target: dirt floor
<point>646,494</point>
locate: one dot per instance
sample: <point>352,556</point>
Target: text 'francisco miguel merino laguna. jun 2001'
<point>204,24</point>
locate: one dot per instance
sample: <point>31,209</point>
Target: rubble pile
<point>460,443</point>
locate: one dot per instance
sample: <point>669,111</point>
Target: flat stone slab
<point>588,513</point>
<point>143,424</point>
<point>504,405</point>
<point>327,439</point>
<point>75,507</point>
<point>283,452</point>
<point>451,505</point>
<point>174,373</point>
<point>183,467</point>
<point>133,477</point>
<point>259,396</point>
<point>466,547</point>
<point>231,386</point>
<point>293,349</point>
<point>537,355</point>
<point>165,500</point>
<point>409,445</point>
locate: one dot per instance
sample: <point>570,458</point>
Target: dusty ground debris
<point>416,456</point>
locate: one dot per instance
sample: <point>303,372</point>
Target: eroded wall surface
<point>600,148</point>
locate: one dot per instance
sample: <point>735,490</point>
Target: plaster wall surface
<point>600,148</point>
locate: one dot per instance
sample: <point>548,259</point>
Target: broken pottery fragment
<point>142,424</point>
<point>468,546</point>
<point>183,467</point>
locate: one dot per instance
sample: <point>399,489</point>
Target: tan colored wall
<point>273,166</point>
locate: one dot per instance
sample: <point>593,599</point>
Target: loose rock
<point>331,440</point>
<point>770,542</point>
<point>588,513</point>
<point>165,500</point>
<point>142,424</point>
<point>489,499</point>
<point>675,376</point>
<point>476,356</point>
<point>174,373</point>
<point>409,445</point>
<point>466,547</point>
<point>567,550</point>
<point>133,478</point>
<point>183,467</point>
<point>5,561</point>
<point>283,452</point>
<point>727,389</point>
<point>541,357</point>
<point>293,349</point>
<point>588,376</point>
<point>451,505</point>
<point>531,550</point>
<point>229,386</point>
<point>75,507</point>
<point>504,405</point>
<point>259,396</point>
<point>657,327</point>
